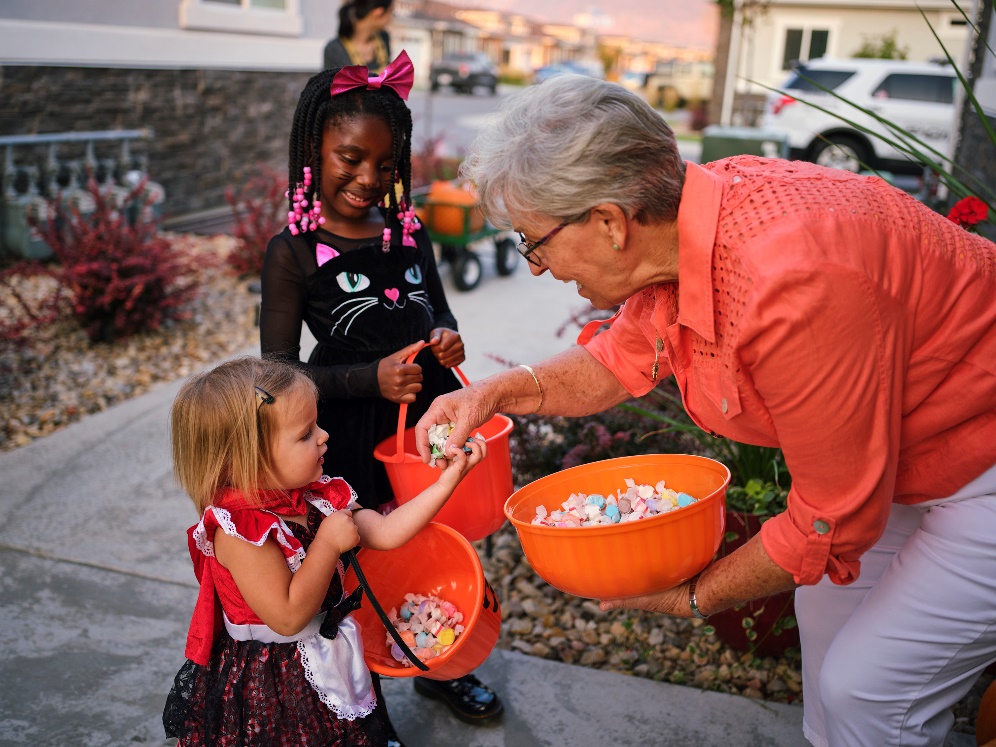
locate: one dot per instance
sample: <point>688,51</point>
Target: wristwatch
<point>692,601</point>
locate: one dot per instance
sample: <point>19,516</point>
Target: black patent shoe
<point>468,698</point>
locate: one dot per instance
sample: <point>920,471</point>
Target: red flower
<point>968,212</point>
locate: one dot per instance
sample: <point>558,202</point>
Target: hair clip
<point>264,396</point>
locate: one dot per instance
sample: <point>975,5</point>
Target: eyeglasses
<point>526,249</point>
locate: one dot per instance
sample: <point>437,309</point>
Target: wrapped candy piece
<point>438,434</point>
<point>432,625</point>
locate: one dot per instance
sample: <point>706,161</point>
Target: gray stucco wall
<point>162,14</point>
<point>321,17</point>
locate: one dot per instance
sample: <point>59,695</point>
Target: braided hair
<point>317,111</point>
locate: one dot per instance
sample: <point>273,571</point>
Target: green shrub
<point>541,445</point>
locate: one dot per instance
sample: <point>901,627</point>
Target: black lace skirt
<point>255,695</point>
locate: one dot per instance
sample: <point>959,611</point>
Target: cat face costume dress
<point>245,685</point>
<point>361,304</point>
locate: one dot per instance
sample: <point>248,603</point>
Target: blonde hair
<point>221,427</point>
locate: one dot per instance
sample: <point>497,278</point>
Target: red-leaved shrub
<point>123,279</point>
<point>260,210</point>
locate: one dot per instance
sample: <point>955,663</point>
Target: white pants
<point>885,658</point>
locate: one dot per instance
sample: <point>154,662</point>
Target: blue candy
<point>613,513</point>
<point>684,499</point>
<point>596,500</point>
<point>406,612</point>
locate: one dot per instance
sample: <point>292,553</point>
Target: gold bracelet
<point>538,387</point>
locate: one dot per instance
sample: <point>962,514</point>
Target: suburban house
<point>211,84</point>
<point>760,41</point>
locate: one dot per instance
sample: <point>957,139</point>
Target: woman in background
<point>363,38</point>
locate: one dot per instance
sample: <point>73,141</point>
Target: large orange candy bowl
<point>438,560</point>
<point>631,558</point>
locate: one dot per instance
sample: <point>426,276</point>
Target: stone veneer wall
<point>211,126</point>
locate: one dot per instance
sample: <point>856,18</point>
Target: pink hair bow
<point>398,76</point>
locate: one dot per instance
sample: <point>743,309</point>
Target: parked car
<point>464,71</point>
<point>674,84</point>
<point>917,97</point>
<point>591,69</point>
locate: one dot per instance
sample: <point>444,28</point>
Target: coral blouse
<point>835,317</point>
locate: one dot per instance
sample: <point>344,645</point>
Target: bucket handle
<point>399,452</point>
<point>350,558</point>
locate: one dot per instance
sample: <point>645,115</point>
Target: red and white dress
<point>242,683</point>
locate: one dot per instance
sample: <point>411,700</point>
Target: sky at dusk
<point>689,23</point>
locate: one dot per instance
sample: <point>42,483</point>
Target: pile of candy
<point>637,502</point>
<point>438,434</point>
<point>428,625</point>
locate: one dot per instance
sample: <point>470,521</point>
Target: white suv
<point>917,97</point>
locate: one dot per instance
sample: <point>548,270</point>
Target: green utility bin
<point>722,142</point>
<point>21,216</point>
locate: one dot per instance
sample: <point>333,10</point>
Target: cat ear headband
<point>399,76</point>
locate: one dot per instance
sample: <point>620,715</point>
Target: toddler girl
<point>356,267</point>
<point>273,655</point>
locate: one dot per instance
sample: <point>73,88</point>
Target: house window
<point>802,45</point>
<point>272,17</point>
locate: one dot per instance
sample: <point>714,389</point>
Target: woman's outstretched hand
<point>447,346</point>
<point>398,380</point>
<point>469,408</point>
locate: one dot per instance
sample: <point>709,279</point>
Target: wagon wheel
<point>466,271</point>
<point>506,256</point>
<point>841,152</point>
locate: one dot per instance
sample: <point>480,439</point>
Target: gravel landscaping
<point>57,377</point>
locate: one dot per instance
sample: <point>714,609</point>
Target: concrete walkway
<point>97,589</point>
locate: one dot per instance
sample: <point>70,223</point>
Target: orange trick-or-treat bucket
<point>439,561</point>
<point>476,507</point>
<point>631,558</point>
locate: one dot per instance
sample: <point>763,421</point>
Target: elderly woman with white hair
<point>818,311</point>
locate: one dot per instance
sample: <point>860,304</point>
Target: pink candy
<point>636,502</point>
<point>428,625</point>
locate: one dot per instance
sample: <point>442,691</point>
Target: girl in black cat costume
<point>358,269</point>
